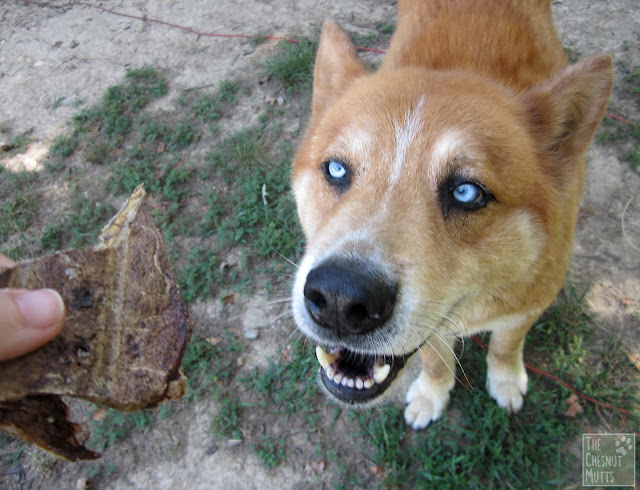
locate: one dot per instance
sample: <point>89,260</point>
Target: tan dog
<point>439,195</point>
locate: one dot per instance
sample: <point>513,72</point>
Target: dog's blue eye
<point>467,193</point>
<point>457,193</point>
<point>338,174</point>
<point>336,170</point>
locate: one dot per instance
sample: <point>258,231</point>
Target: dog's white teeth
<point>330,372</point>
<point>380,373</point>
<point>328,362</point>
<point>324,358</point>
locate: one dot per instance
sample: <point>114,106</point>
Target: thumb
<point>28,319</point>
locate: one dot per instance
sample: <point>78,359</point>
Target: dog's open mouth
<point>357,378</point>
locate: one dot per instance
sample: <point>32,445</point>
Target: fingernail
<point>41,309</point>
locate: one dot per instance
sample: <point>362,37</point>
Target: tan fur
<point>478,88</point>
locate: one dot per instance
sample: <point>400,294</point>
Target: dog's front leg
<point>429,393</point>
<point>506,375</point>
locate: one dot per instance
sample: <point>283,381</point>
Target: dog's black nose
<point>349,296</point>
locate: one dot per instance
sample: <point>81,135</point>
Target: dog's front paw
<point>507,387</point>
<point>426,401</point>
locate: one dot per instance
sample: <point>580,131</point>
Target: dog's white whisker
<point>279,301</point>
<point>282,315</point>
<point>287,260</point>
<point>457,362</point>
<point>452,371</point>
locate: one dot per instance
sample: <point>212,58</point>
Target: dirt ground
<point>72,53</point>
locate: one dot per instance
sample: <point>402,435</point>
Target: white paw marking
<point>426,401</point>
<point>507,387</point>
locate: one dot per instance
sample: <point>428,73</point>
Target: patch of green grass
<point>286,388</point>
<point>258,39</point>
<point>80,228</point>
<point>199,365</point>
<point>209,370</point>
<point>573,54</point>
<point>564,319</point>
<point>19,143</point>
<point>141,167</point>
<point>98,151</point>
<point>207,108</point>
<point>101,129</point>
<point>226,423</point>
<point>633,157</point>
<point>18,212</point>
<point>201,275</point>
<point>101,471</point>
<point>387,28</point>
<point>253,208</point>
<point>270,450</point>
<point>56,102</point>
<point>624,135</point>
<point>215,210</point>
<point>293,65</point>
<point>366,40</point>
<point>114,426</point>
<point>86,220</point>
<point>289,384</point>
<point>262,211</point>
<point>5,439</point>
<point>182,135</point>
<point>482,447</point>
<point>227,92</point>
<point>113,116</point>
<point>206,366</point>
<point>62,146</point>
<point>53,237</point>
<point>598,367</point>
<point>150,128</point>
<point>613,131</point>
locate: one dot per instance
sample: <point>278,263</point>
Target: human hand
<point>28,318</point>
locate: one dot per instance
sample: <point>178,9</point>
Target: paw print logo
<point>624,441</point>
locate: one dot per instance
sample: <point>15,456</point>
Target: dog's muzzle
<point>350,303</point>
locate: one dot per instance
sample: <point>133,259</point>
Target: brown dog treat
<point>44,420</point>
<point>125,335</point>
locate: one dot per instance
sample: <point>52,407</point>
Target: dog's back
<point>512,41</point>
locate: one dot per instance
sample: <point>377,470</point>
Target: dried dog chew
<point>123,341</point>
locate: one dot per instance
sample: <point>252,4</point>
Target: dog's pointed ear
<point>337,65</point>
<point>565,110</point>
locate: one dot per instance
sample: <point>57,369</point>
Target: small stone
<point>241,361</point>
<point>211,450</point>
<point>251,334</point>
<point>234,442</point>
<point>280,100</point>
